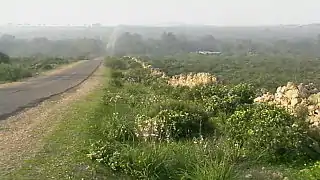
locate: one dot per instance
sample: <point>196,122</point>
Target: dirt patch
<point>21,135</point>
<point>46,73</point>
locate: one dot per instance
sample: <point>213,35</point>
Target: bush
<point>116,63</point>
<point>139,75</point>
<point>48,67</point>
<point>13,73</point>
<point>267,128</point>
<point>116,74</point>
<point>116,83</point>
<point>174,121</point>
<point>217,98</point>
<point>185,160</point>
<point>116,78</point>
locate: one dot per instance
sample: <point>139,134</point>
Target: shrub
<point>116,63</point>
<point>116,83</point>
<point>245,93</point>
<point>142,162</point>
<point>115,74</point>
<point>134,65</point>
<point>267,128</point>
<point>139,75</point>
<point>48,67</point>
<point>113,121</point>
<point>310,173</point>
<point>219,98</point>
<point>185,160</point>
<point>174,121</point>
<point>116,78</point>
<point>13,73</point>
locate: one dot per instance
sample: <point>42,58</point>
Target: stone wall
<point>297,99</point>
<point>192,79</point>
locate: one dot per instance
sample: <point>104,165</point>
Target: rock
<point>192,79</point>
<point>299,100</point>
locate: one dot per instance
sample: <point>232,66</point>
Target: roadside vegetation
<point>145,124</point>
<point>140,127</point>
<point>147,129</point>
<point>262,71</point>
<point>14,69</point>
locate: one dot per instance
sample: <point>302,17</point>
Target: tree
<point>4,58</point>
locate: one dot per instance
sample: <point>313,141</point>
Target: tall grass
<point>20,68</point>
<point>145,129</point>
<point>10,72</point>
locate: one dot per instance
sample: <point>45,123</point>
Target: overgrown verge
<point>147,129</point>
<point>14,69</point>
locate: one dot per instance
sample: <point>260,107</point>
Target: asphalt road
<point>17,97</point>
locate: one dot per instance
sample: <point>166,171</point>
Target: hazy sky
<point>112,12</point>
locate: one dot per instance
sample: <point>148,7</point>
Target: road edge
<point>40,100</point>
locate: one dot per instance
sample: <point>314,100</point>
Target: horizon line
<point>146,25</point>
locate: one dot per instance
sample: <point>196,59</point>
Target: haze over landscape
<point>160,89</point>
<point>146,12</point>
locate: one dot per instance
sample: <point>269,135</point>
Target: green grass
<point>64,153</point>
<point>103,127</point>
<point>131,109</point>
<point>21,68</point>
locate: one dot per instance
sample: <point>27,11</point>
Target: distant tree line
<point>169,43</point>
<point>263,71</point>
<point>43,46</point>
<point>4,59</point>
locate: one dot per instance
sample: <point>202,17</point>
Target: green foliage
<point>266,128</point>
<point>166,161</point>
<point>213,99</point>
<point>116,74</point>
<point>150,130</point>
<point>116,63</point>
<point>4,58</point>
<point>173,41</point>
<point>13,72</point>
<point>139,75</point>
<point>224,99</point>
<point>311,172</point>
<point>48,67</point>
<point>116,78</point>
<point>175,121</point>
<point>261,70</point>
<point>20,68</point>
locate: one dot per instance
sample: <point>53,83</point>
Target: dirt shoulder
<point>21,135</point>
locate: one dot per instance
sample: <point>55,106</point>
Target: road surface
<point>17,97</point>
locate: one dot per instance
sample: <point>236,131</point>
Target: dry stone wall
<point>297,99</point>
